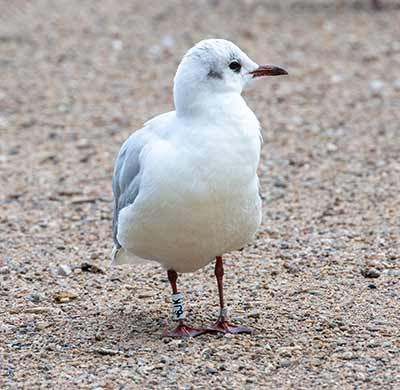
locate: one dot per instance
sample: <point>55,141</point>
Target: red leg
<point>223,324</point>
<point>182,330</point>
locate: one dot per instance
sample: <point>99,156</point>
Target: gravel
<point>320,283</point>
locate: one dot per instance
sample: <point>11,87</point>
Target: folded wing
<point>128,169</point>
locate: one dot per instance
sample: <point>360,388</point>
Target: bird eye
<point>235,66</point>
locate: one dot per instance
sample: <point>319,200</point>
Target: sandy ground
<point>320,284</point>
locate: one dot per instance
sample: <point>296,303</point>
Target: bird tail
<point>123,256</point>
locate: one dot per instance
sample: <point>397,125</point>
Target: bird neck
<point>209,105</point>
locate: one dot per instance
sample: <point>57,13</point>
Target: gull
<point>185,186</point>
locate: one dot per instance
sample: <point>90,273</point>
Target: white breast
<point>198,198</point>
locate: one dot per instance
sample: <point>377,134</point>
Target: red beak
<point>268,70</point>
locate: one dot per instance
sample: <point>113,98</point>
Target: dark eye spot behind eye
<point>214,74</point>
<point>235,66</point>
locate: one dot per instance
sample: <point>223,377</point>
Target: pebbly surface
<point>320,285</point>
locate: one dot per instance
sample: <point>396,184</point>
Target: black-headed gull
<point>185,186</point>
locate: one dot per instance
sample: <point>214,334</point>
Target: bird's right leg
<point>178,312</point>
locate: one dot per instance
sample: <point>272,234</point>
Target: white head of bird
<point>212,70</point>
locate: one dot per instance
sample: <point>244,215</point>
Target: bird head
<point>213,67</point>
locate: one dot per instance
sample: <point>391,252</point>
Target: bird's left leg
<point>182,330</point>
<point>223,324</point>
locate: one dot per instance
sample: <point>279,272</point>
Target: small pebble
<point>92,268</point>
<point>331,147</point>
<point>65,296</point>
<point>168,41</point>
<point>373,343</point>
<point>21,270</point>
<point>254,314</point>
<point>117,44</point>
<point>34,298</point>
<point>3,122</point>
<point>285,363</point>
<point>348,356</point>
<point>376,86</point>
<point>4,270</point>
<point>37,310</point>
<point>284,245</point>
<point>280,183</point>
<point>64,270</point>
<point>336,78</point>
<point>106,351</point>
<point>211,371</point>
<point>371,273</point>
<point>396,85</point>
<point>340,342</point>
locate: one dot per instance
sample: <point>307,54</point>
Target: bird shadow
<point>130,325</point>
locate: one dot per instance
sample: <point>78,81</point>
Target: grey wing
<point>127,174</point>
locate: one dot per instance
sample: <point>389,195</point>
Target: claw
<point>224,326</point>
<point>183,330</point>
